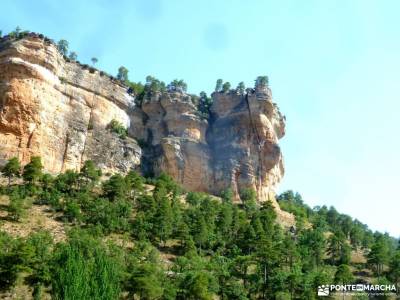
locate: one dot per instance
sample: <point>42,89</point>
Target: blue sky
<point>334,69</point>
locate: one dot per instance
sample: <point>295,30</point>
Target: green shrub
<point>83,268</point>
<point>72,211</point>
<point>117,127</point>
<point>16,208</point>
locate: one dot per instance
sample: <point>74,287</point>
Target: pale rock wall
<point>59,111</point>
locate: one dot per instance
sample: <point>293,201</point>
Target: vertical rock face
<point>60,111</point>
<point>175,139</point>
<point>236,148</point>
<point>243,140</point>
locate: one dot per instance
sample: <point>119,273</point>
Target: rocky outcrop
<point>174,138</point>
<point>60,110</point>
<point>237,147</point>
<point>243,138</point>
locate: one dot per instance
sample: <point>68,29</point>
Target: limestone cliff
<point>60,110</point>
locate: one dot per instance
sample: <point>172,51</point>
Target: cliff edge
<point>60,110</point>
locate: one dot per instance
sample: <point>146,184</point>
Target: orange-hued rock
<point>60,110</point>
<point>237,147</point>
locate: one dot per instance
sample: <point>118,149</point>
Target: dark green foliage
<point>241,88</point>
<point>178,85</point>
<point>153,85</point>
<point>227,195</point>
<point>262,81</point>
<point>94,60</point>
<point>394,268</point>
<point>122,74</point>
<point>67,182</point>
<point>62,46</point>
<point>218,85</point>
<point>338,248</point>
<point>312,247</point>
<point>109,216</point>
<point>220,249</point>
<point>73,56</point>
<point>41,246</point>
<point>90,172</point>
<point>135,184</point>
<point>204,105</point>
<point>226,87</point>
<point>248,195</point>
<point>85,269</point>
<point>11,169</point>
<point>138,89</point>
<point>72,210</point>
<point>115,187</point>
<point>12,260</point>
<point>33,170</point>
<point>163,219</point>
<point>117,127</point>
<point>379,254</point>
<point>343,275</point>
<point>146,281</point>
<point>16,208</point>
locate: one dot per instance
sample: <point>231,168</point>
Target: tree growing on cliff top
<point>154,85</point>
<point>11,169</point>
<point>262,81</point>
<point>178,85</point>
<point>73,56</point>
<point>94,60</point>
<point>218,85</point>
<point>241,88</point>
<point>62,46</point>
<point>122,74</point>
<point>226,87</point>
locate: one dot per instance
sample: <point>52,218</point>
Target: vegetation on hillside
<point>177,245</point>
<point>132,237</point>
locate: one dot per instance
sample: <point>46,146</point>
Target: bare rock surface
<point>60,110</point>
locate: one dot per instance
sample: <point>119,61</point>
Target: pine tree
<point>62,46</point>
<point>379,255</point>
<point>226,87</point>
<point>115,187</point>
<point>94,60</point>
<point>33,170</point>
<point>89,172</point>
<point>394,268</point>
<point>135,184</point>
<point>338,249</point>
<point>343,276</point>
<point>11,169</point>
<point>163,220</point>
<point>73,56</point>
<point>218,85</point>
<point>241,88</point>
<point>122,74</point>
